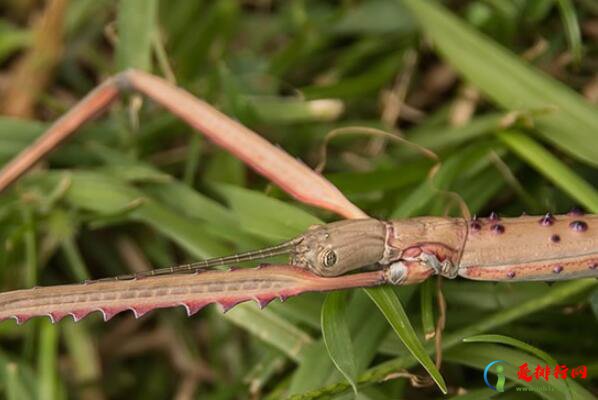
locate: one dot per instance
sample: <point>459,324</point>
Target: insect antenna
<point>279,249</point>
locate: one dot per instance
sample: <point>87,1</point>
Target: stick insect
<point>356,252</point>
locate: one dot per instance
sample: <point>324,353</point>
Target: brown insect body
<point>532,248</point>
<point>339,247</point>
<point>404,252</point>
<point>515,249</point>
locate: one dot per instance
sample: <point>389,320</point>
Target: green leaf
<point>265,216</point>
<point>501,339</point>
<point>555,295</point>
<point>367,327</point>
<point>439,137</point>
<point>427,308</point>
<point>12,39</point>
<point>106,195</point>
<point>388,302</point>
<point>136,25</point>
<point>15,387</point>
<point>571,24</point>
<point>337,337</point>
<point>551,167</point>
<point>479,355</point>
<point>282,110</point>
<point>377,16</point>
<point>47,362</point>
<point>570,122</point>
<point>271,328</point>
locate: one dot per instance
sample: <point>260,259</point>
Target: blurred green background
<point>504,92</point>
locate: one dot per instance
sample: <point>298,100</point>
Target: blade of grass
<point>510,82</point>
<point>367,328</point>
<point>48,361</point>
<point>551,167</point>
<point>388,302</point>
<point>337,337</point>
<point>479,355</point>
<point>12,39</point>
<point>136,24</point>
<point>501,339</point>
<point>106,195</point>
<point>265,216</point>
<point>81,346</point>
<point>74,259</point>
<point>271,328</point>
<point>427,308</point>
<point>556,295</point>
<point>14,388</point>
<point>569,17</point>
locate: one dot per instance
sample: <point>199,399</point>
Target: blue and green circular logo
<point>499,370</point>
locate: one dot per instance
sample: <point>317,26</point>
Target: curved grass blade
<point>556,295</point>
<point>271,328</point>
<point>265,216</point>
<point>106,195</point>
<point>388,302</point>
<point>337,337</point>
<point>368,328</point>
<point>479,355</point>
<point>552,168</point>
<point>501,339</point>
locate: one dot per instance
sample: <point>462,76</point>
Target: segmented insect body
<point>525,248</point>
<point>544,248</point>
<point>326,257</point>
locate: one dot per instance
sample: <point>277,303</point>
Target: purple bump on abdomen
<point>578,226</point>
<point>547,220</point>
<point>497,228</point>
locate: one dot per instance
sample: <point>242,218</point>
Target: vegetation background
<point>503,91</point>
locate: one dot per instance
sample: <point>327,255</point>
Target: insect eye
<point>329,258</point>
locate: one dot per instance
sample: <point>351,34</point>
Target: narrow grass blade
<point>12,39</point>
<point>556,295</point>
<point>48,361</point>
<point>367,328</point>
<point>501,339</point>
<point>510,82</point>
<point>337,337</point>
<point>265,216</point>
<point>572,30</point>
<point>479,355</point>
<point>427,308</point>
<point>106,195</point>
<point>271,328</point>
<point>15,387</point>
<point>387,301</point>
<point>136,23</point>
<point>551,167</point>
